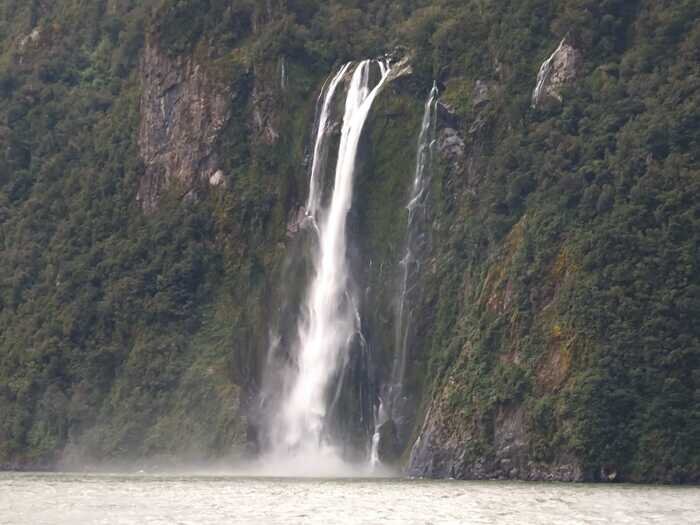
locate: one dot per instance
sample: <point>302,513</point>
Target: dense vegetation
<point>566,262</point>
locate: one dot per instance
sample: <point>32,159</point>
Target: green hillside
<point>558,327</point>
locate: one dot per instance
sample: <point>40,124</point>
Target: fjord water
<point>76,499</point>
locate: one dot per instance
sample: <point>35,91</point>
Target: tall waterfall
<point>391,397</point>
<point>329,319</point>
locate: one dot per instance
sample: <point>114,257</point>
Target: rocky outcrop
<point>451,146</point>
<point>389,447</point>
<point>561,68</point>
<point>265,112</point>
<point>481,94</point>
<point>449,446</point>
<point>182,115</point>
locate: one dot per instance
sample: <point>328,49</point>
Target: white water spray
<point>329,318</point>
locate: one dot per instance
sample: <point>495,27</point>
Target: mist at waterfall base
<point>304,376</point>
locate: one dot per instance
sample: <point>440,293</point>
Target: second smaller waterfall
<point>389,409</point>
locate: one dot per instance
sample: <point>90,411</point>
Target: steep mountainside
<point>155,163</point>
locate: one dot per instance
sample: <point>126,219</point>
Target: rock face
<point>389,448</point>
<point>481,94</point>
<point>449,447</point>
<point>561,68</point>
<point>182,115</point>
<point>217,179</point>
<point>264,113</point>
<point>451,146</point>
<point>461,436</point>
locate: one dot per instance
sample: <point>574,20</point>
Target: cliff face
<point>182,115</point>
<point>447,447</point>
<point>151,194</point>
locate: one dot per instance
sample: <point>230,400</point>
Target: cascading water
<point>329,319</point>
<point>283,73</point>
<point>415,230</point>
<point>415,235</point>
<point>320,155</point>
<point>543,74</point>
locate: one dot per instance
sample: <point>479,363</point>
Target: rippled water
<point>170,499</point>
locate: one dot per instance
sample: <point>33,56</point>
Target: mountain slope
<point>154,161</point>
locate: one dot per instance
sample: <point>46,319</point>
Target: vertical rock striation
<point>182,114</point>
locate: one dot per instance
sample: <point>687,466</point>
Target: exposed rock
<point>217,179</point>
<point>608,473</point>
<point>401,59</point>
<point>265,110</point>
<point>401,68</point>
<point>450,445</point>
<point>296,220</point>
<point>389,448</point>
<point>451,146</point>
<point>32,42</point>
<point>561,68</point>
<point>31,38</point>
<point>442,450</point>
<point>182,114</point>
<point>481,94</point>
<point>447,115</point>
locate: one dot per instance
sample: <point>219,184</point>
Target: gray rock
<point>450,145</point>
<point>560,69</point>
<point>295,221</point>
<point>389,448</point>
<point>217,179</point>
<point>445,448</point>
<point>182,115</point>
<point>481,94</point>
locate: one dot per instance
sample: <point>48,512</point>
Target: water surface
<point>59,499</point>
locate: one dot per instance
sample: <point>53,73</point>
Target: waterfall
<point>283,73</point>
<point>321,144</point>
<point>329,320</point>
<point>409,268</point>
<point>543,75</point>
<point>415,231</point>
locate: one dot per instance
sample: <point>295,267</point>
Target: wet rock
<point>296,220</point>
<point>389,448</point>
<point>608,473</point>
<point>560,69</point>
<point>264,105</point>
